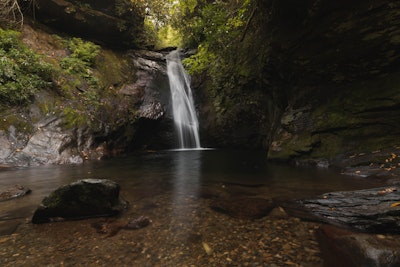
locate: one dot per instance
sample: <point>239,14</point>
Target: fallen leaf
<point>395,204</point>
<point>387,190</point>
<point>207,248</point>
<point>3,240</point>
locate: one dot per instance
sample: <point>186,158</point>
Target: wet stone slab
<point>374,210</point>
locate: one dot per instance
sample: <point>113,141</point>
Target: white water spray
<point>185,117</point>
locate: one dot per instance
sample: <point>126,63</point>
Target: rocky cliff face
<point>340,65</point>
<point>328,84</point>
<point>133,111</point>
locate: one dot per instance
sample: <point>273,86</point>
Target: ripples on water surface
<point>180,173</point>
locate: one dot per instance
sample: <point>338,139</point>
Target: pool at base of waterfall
<point>176,192</point>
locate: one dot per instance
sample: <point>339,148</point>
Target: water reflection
<point>185,180</point>
<point>180,176</point>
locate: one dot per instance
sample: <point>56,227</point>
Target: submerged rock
<point>14,192</point>
<point>243,208</point>
<point>112,227</point>
<point>138,223</point>
<point>82,199</point>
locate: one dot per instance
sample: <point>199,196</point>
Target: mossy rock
<point>288,146</point>
<point>17,120</point>
<point>82,199</point>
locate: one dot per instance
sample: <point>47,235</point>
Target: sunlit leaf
<point>396,204</point>
<point>207,248</point>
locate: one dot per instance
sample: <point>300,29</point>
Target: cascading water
<point>185,117</point>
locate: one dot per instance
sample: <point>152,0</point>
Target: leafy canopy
<point>228,36</point>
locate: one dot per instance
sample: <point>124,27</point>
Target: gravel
<point>184,231</point>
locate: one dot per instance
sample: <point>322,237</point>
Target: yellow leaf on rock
<point>395,204</point>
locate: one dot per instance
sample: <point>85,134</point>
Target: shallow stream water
<point>171,188</point>
<point>181,172</point>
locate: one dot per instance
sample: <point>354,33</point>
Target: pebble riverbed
<point>181,233</point>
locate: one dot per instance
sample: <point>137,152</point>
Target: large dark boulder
<point>104,22</point>
<point>155,126</point>
<point>82,199</point>
<point>344,248</point>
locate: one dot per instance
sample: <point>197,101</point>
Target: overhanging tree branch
<point>248,23</point>
<point>11,13</point>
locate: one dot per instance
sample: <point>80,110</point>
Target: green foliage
<point>158,30</point>
<point>84,51</point>
<point>16,120</point>
<point>73,65</point>
<point>217,23</point>
<point>149,38</point>
<point>81,60</point>
<point>199,62</point>
<point>218,26</point>
<point>227,36</point>
<point>22,72</point>
<point>168,37</point>
<point>218,29</point>
<point>79,82</point>
<point>74,117</point>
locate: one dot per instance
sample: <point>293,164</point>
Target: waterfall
<point>185,118</point>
